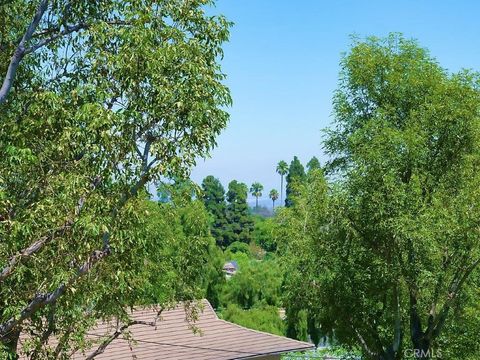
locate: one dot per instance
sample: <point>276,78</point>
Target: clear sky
<point>282,67</point>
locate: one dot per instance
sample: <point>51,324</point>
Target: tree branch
<point>66,31</point>
<point>19,52</point>
<point>115,335</point>
<point>454,290</point>
<point>46,334</point>
<point>363,342</point>
<point>41,300</point>
<point>32,249</point>
<point>40,243</point>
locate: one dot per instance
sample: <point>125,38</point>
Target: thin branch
<point>19,52</point>
<point>41,300</point>
<point>33,249</point>
<point>68,30</point>
<point>40,243</point>
<point>454,290</point>
<point>62,342</point>
<point>363,342</point>
<point>115,335</point>
<point>46,334</point>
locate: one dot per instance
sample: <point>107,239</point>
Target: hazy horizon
<point>282,65</point>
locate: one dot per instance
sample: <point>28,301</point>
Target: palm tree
<point>256,190</point>
<point>282,169</point>
<point>274,196</point>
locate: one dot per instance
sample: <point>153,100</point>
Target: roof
<point>233,264</point>
<point>172,338</point>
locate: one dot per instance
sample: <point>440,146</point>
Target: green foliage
<point>134,96</point>
<point>264,233</point>
<point>464,325</point>
<point>256,282</point>
<point>214,278</point>
<point>264,318</point>
<point>313,164</point>
<point>238,246</point>
<point>240,224</point>
<point>176,242</point>
<point>213,197</point>
<point>392,242</point>
<point>296,175</point>
<point>337,353</point>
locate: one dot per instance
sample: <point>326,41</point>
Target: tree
<point>240,223</point>
<point>214,199</point>
<point>264,233</point>
<point>256,190</point>
<point>264,318</point>
<point>256,283</point>
<point>98,100</point>
<point>296,175</point>
<point>313,164</point>
<point>274,196</point>
<point>299,232</point>
<point>391,249</point>
<point>282,170</point>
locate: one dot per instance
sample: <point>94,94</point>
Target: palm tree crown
<point>256,190</point>
<point>274,196</point>
<point>282,170</point>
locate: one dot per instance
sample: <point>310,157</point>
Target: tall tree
<point>393,247</point>
<point>274,196</point>
<point>213,197</point>
<point>240,223</point>
<point>313,164</point>
<point>98,100</point>
<point>296,176</point>
<point>282,170</point>
<point>256,190</point>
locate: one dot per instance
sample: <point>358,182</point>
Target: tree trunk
<point>273,206</point>
<point>256,202</point>
<point>9,344</point>
<point>421,342</point>
<point>421,348</point>
<point>281,190</point>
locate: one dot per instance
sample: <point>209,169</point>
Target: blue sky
<point>282,64</point>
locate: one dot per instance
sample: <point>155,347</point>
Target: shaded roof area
<point>172,337</point>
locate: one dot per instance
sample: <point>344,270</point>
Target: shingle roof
<point>172,338</point>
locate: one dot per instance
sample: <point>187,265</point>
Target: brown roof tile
<point>172,338</point>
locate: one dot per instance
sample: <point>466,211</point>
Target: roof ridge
<point>205,301</point>
<point>266,333</point>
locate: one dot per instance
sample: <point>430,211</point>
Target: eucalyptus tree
<point>282,170</point>
<point>256,190</point>
<point>98,99</point>
<point>273,196</point>
<point>391,249</point>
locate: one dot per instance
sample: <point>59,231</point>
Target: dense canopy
<point>98,100</point>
